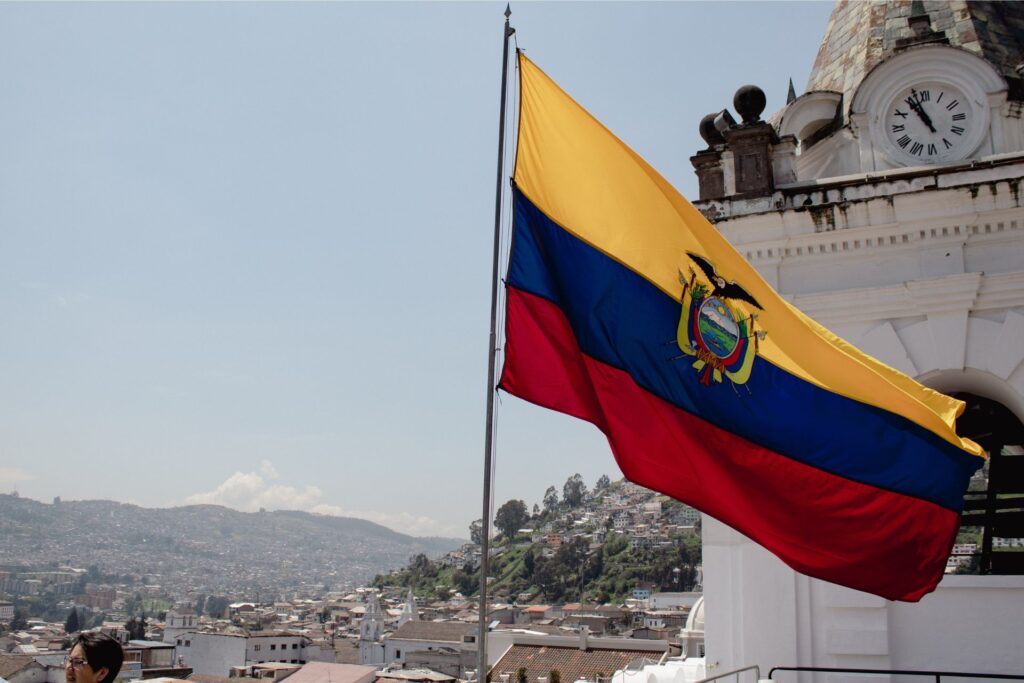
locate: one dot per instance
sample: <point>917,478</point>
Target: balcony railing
<point>937,676</point>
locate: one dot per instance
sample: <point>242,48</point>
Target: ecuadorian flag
<point>627,309</point>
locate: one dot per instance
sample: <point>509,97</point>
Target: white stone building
<point>216,654</point>
<point>901,229</point>
<point>178,621</point>
<point>430,636</point>
<point>371,633</point>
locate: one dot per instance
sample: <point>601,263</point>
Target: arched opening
<point>991,537</point>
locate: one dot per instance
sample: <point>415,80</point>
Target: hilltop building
<point>885,202</point>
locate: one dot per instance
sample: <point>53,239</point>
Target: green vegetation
<point>575,570</point>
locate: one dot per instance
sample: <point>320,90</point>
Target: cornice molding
<point>877,239</point>
<point>966,292</point>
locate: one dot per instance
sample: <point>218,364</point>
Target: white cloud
<point>268,470</point>
<point>250,491</point>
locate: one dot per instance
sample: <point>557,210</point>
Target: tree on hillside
<point>529,564</point>
<point>19,621</point>
<point>133,604</point>
<point>574,490</point>
<point>200,603</point>
<point>550,499</point>
<point>476,532</point>
<point>216,604</point>
<point>465,582</point>
<point>136,629</point>
<point>72,625</point>
<point>603,482</point>
<point>511,517</point>
<point>419,564</point>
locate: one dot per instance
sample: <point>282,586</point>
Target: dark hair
<point>101,651</point>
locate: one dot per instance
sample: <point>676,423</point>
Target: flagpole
<point>481,641</point>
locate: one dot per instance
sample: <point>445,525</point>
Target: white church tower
<point>371,632</point>
<point>179,620</point>
<point>410,611</point>
<point>886,203</point>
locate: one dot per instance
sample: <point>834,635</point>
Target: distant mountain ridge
<point>206,548</point>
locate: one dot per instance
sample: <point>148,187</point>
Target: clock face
<point>929,122</point>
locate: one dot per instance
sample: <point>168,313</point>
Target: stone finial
<point>709,133</point>
<point>749,101</point>
<point>791,95</point>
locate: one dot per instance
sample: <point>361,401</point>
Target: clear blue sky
<point>245,248</point>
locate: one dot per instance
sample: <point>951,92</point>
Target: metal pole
<point>481,641</point>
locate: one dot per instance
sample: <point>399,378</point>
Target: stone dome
<point>695,620</point>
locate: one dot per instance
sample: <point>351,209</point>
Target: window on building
<point>398,654</point>
<point>256,647</point>
<point>188,643</point>
<point>273,646</point>
<point>992,523</point>
<point>295,646</point>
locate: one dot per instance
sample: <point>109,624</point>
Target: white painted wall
<point>285,649</point>
<point>211,653</point>
<point>759,611</point>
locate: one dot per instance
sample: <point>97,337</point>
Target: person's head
<point>94,658</point>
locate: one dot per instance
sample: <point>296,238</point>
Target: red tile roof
<point>571,663</point>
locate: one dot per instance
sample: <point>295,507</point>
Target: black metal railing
<point>936,675</point>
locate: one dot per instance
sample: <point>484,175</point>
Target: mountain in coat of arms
<point>721,338</point>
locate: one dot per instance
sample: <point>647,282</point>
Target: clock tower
<point>886,203</point>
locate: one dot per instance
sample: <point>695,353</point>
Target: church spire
<point>372,625</point>
<point>410,611</point>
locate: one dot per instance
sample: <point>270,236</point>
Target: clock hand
<point>919,110</point>
<point>924,117</point>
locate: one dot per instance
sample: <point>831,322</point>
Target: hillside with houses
<point>597,545</point>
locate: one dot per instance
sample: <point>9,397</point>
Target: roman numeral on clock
<point>897,127</point>
<point>952,105</point>
<point>959,117</point>
<point>903,141</point>
<point>956,130</point>
<point>931,149</point>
